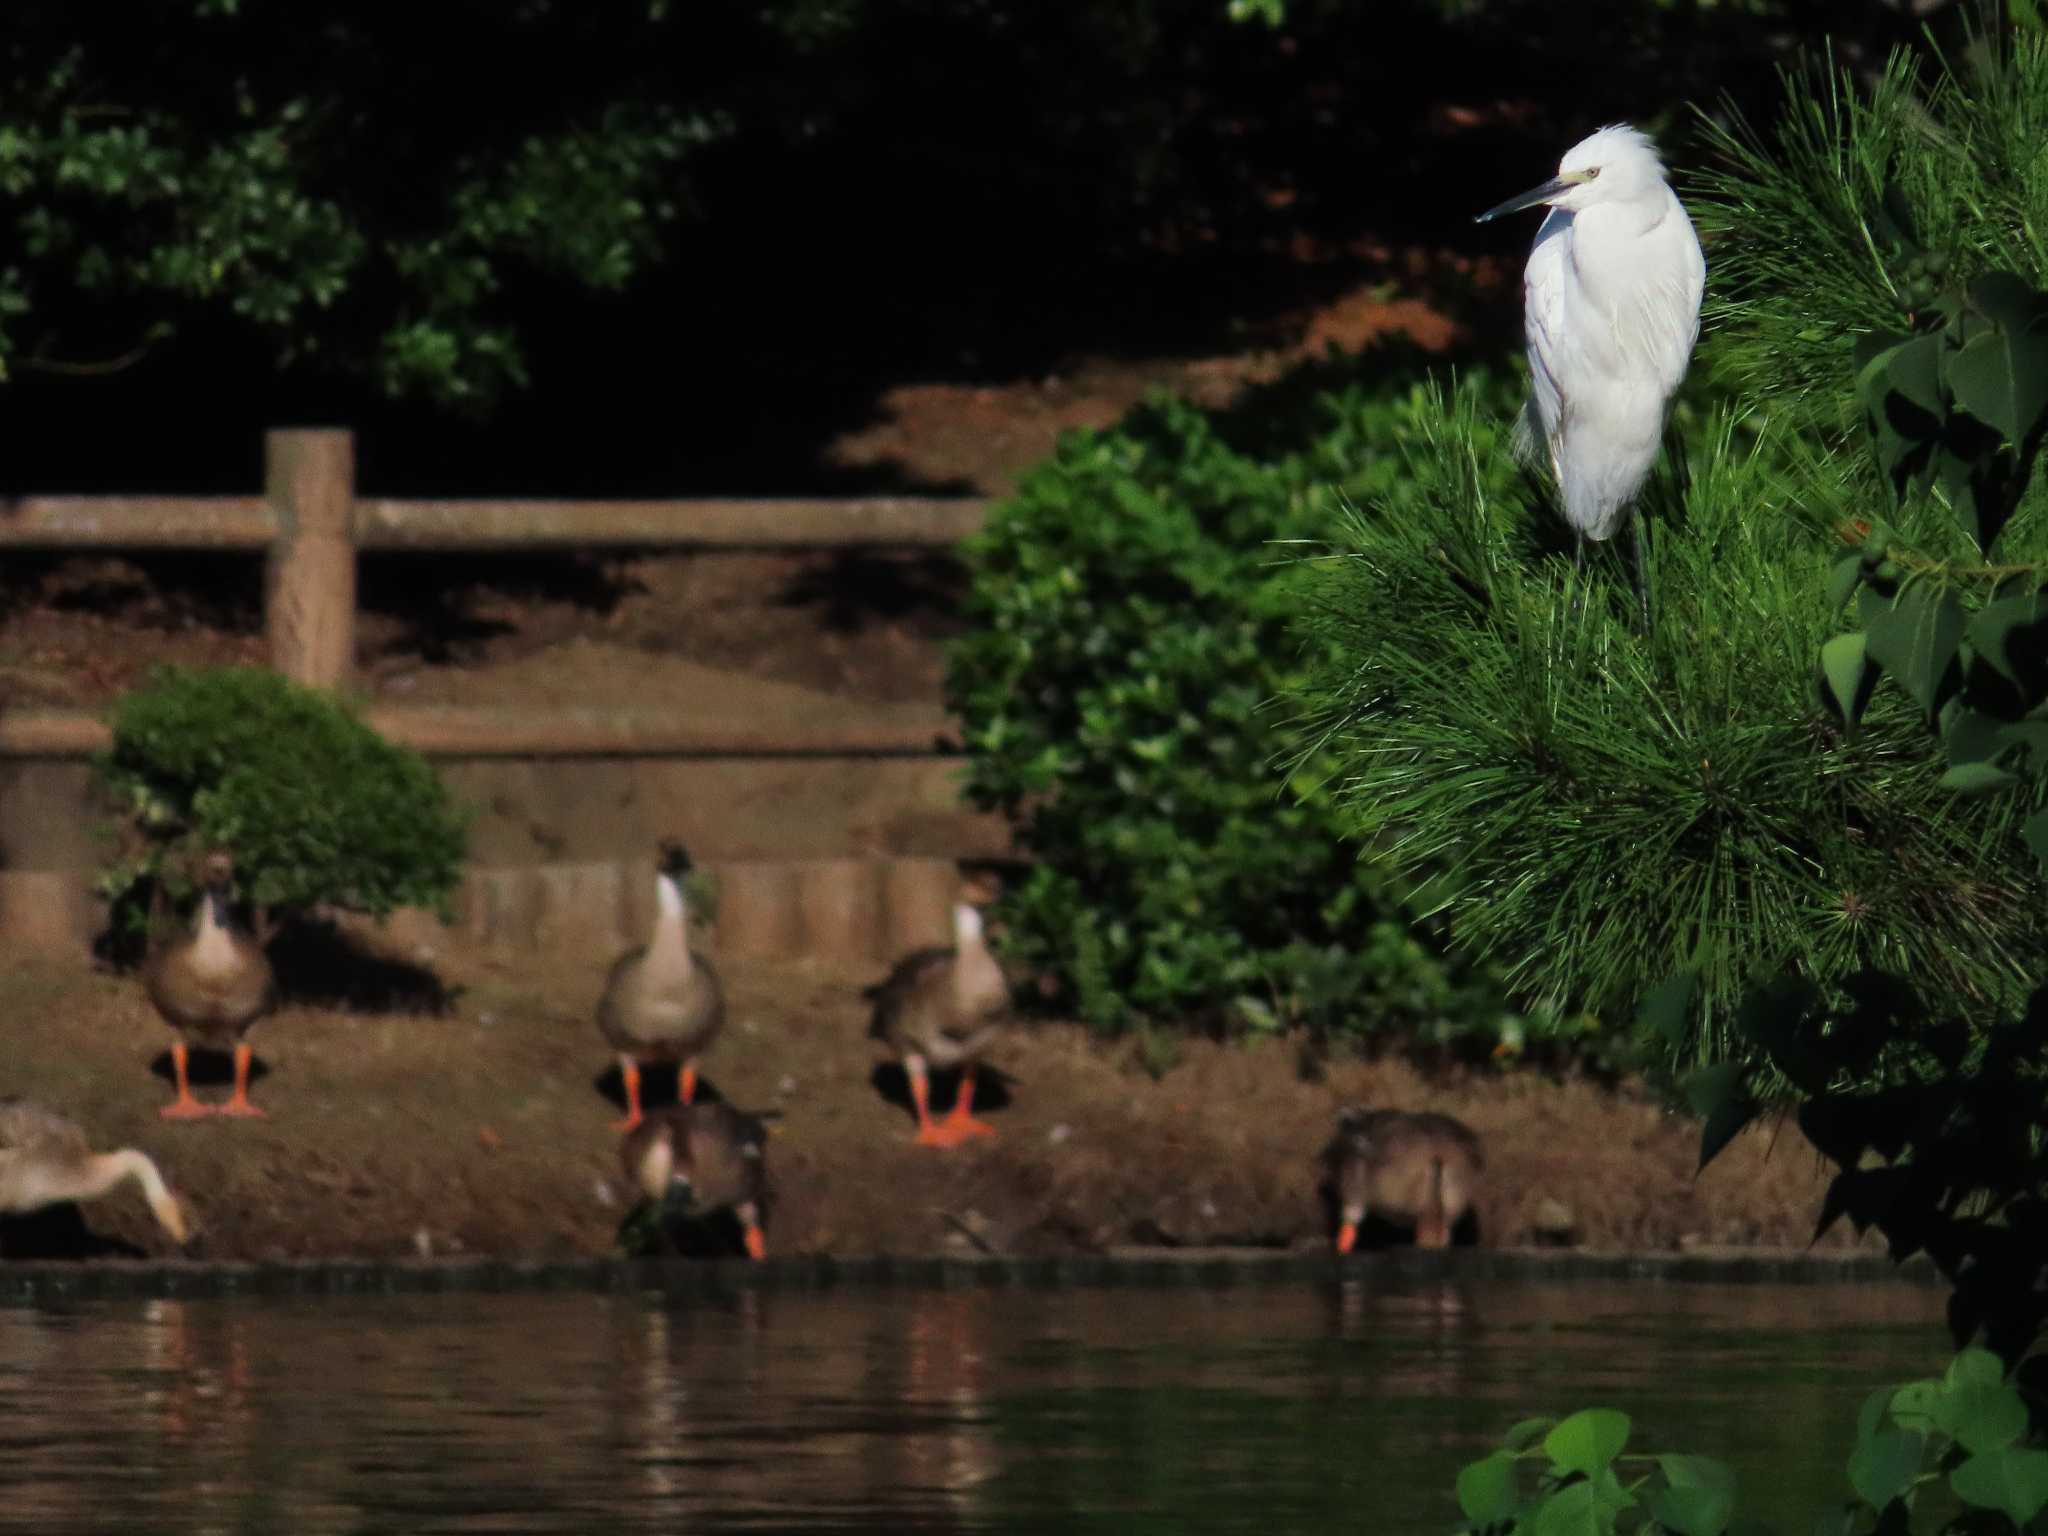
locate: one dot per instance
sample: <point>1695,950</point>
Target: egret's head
<point>1611,166</point>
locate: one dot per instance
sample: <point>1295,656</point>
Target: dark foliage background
<point>706,235</point>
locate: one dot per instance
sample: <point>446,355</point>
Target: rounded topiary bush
<point>1132,607</point>
<point>317,808</point>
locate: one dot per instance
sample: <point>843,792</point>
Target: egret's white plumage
<point>1611,308</point>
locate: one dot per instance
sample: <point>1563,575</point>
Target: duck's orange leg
<point>928,1134</point>
<point>238,1105</point>
<point>961,1124</point>
<point>686,1082</point>
<point>1347,1235</point>
<point>184,1106</point>
<point>757,1245</point>
<point>629,1073</point>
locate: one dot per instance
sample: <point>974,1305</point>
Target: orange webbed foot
<point>242,1109</point>
<point>627,1124</point>
<point>935,1134</point>
<point>963,1127</point>
<point>186,1109</point>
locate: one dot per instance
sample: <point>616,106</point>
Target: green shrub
<point>1132,608</point>
<point>315,806</point>
<point>1598,807</point>
<point>1803,219</point>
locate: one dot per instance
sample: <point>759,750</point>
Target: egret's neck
<point>1627,217</point>
<point>671,921</point>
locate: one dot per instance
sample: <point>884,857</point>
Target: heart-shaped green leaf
<point>1525,1433</point>
<point>1486,1489</point>
<point>1571,1511</point>
<point>1700,1500</point>
<point>1843,579</point>
<point>1982,1419</point>
<point>1976,778</point>
<point>1913,369</point>
<point>1588,1441</point>
<point>1667,1010</point>
<point>2014,1480</point>
<point>1913,1405</point>
<point>1847,675</point>
<point>1884,1466</point>
<point>1915,640</point>
<point>1692,1511</point>
<point>1974,1368</point>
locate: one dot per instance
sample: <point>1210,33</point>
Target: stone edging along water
<point>34,1283</point>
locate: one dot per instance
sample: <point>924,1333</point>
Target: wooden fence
<point>884,889</point>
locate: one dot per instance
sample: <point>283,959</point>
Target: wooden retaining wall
<point>570,802</point>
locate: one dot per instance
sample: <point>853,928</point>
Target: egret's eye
<point>1592,173</point>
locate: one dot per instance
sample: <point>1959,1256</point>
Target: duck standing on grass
<point>693,1160</point>
<point>941,1008</point>
<point>662,1002</point>
<point>44,1160</point>
<point>211,985</point>
<point>1418,1170</point>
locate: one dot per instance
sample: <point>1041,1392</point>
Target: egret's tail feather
<point>1527,443</point>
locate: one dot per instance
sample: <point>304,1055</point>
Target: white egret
<point>1610,311</point>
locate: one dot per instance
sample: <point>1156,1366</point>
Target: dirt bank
<point>483,1130</point>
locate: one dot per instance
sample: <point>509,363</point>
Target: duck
<point>1417,1169</point>
<point>211,986</point>
<point>662,1001</point>
<point>45,1160</point>
<point>693,1160</point>
<point>941,1008</point>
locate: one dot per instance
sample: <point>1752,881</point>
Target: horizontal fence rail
<point>453,731</point>
<point>250,522</point>
<point>311,525</point>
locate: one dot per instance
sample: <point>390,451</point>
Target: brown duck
<point>211,985</point>
<point>941,1008</point>
<point>695,1159</point>
<point>662,1002</point>
<point>45,1159</point>
<point>1419,1170</point>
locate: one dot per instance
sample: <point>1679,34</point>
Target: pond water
<point>1275,1409</point>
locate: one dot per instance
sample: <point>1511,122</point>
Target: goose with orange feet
<point>941,1008</point>
<point>1418,1170</point>
<point>211,985</point>
<point>662,1001</point>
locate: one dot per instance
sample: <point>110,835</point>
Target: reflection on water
<point>1277,1409</point>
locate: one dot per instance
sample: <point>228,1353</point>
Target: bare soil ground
<point>486,1130</point>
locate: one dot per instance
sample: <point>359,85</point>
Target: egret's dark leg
<point>1642,570</point>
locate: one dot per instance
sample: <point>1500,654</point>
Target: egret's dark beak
<point>1528,199</point>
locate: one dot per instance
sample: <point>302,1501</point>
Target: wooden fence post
<point>310,590</point>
